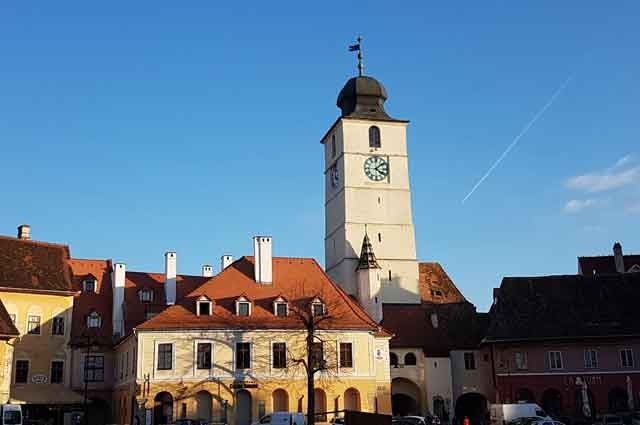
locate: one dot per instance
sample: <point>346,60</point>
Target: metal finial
<point>358,47</point>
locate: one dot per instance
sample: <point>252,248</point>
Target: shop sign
<point>39,378</point>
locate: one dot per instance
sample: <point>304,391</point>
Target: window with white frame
<point>57,326</point>
<point>204,306</point>
<point>590,358</point>
<point>146,295</point>
<point>626,357</point>
<point>33,324</point>
<point>279,355</point>
<point>317,308</point>
<point>280,307</point>
<point>165,356</point>
<point>243,355</point>
<point>94,368</point>
<point>94,320</point>
<point>89,286</point>
<point>520,360</point>
<point>555,360</point>
<point>469,361</point>
<point>346,355</point>
<point>243,307</point>
<point>204,350</point>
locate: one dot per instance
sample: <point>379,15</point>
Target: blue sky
<point>132,128</point>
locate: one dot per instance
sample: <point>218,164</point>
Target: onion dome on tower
<point>363,97</point>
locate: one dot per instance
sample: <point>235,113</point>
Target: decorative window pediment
<point>204,306</point>
<point>94,320</point>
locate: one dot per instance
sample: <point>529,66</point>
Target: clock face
<point>335,176</point>
<point>376,168</point>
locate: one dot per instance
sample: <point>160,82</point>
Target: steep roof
<point>605,264</point>
<point>34,266</point>
<point>85,303</point>
<point>435,328</point>
<point>436,286</point>
<point>565,306</point>
<point>7,328</point>
<point>293,279</point>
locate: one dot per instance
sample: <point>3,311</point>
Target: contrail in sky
<point>519,136</point>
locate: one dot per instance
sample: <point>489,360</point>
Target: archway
<point>393,359</point>
<point>243,411</point>
<point>440,409</point>
<point>410,359</point>
<point>352,399</point>
<point>618,400</point>
<point>204,402</point>
<point>405,397</point>
<point>473,406</point>
<point>163,409</point>
<point>320,404</point>
<point>280,400</point>
<point>525,395</point>
<point>552,402</point>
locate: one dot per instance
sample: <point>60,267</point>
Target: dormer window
<point>94,320</point>
<point>145,295</point>
<point>317,308</point>
<point>203,306</point>
<point>89,285</point>
<point>280,307</point>
<point>243,307</point>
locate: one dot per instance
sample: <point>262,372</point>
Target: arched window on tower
<point>374,137</point>
<point>410,359</point>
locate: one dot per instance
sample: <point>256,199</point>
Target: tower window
<point>333,145</point>
<point>379,237</point>
<point>374,137</point>
<point>389,275</point>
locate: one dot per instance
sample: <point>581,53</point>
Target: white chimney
<point>262,259</point>
<point>24,232</point>
<point>618,257</point>
<point>225,261</point>
<point>207,270</point>
<point>117,283</point>
<point>170,277</point>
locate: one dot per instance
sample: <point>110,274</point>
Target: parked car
<point>608,420</point>
<point>281,418</point>
<point>339,420</point>
<point>417,420</point>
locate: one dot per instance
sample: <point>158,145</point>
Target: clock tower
<point>368,196</point>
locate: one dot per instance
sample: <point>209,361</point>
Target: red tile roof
<point>86,303</point>
<point>7,328</point>
<point>34,266</point>
<point>436,286</point>
<point>293,278</point>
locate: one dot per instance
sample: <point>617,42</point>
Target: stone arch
<point>393,359</point>
<point>405,397</point>
<point>280,400</point>
<point>551,402</point>
<point>410,359</point>
<point>352,399</point>
<point>320,404</point>
<point>525,395</point>
<point>243,409</point>
<point>163,408</point>
<point>204,405</point>
<point>474,406</point>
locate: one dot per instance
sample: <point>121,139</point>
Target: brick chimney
<point>618,257</point>
<point>262,259</point>
<point>24,232</point>
<point>170,271</point>
<point>207,270</point>
<point>225,261</point>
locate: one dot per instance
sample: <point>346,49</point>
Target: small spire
<point>358,48</point>
<point>367,257</point>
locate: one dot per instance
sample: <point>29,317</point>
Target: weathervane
<point>358,48</point>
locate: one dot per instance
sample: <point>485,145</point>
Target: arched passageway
<point>525,395</point>
<point>320,404</point>
<point>163,409</point>
<point>352,399</point>
<point>551,402</point>
<point>243,408</point>
<point>204,406</point>
<point>618,400</point>
<point>473,406</point>
<point>405,397</point>
<point>280,400</point>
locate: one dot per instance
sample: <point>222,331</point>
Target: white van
<point>501,414</point>
<point>10,414</point>
<point>281,418</point>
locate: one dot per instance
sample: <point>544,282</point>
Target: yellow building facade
<point>224,392</point>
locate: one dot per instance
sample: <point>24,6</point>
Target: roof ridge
<point>35,242</point>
